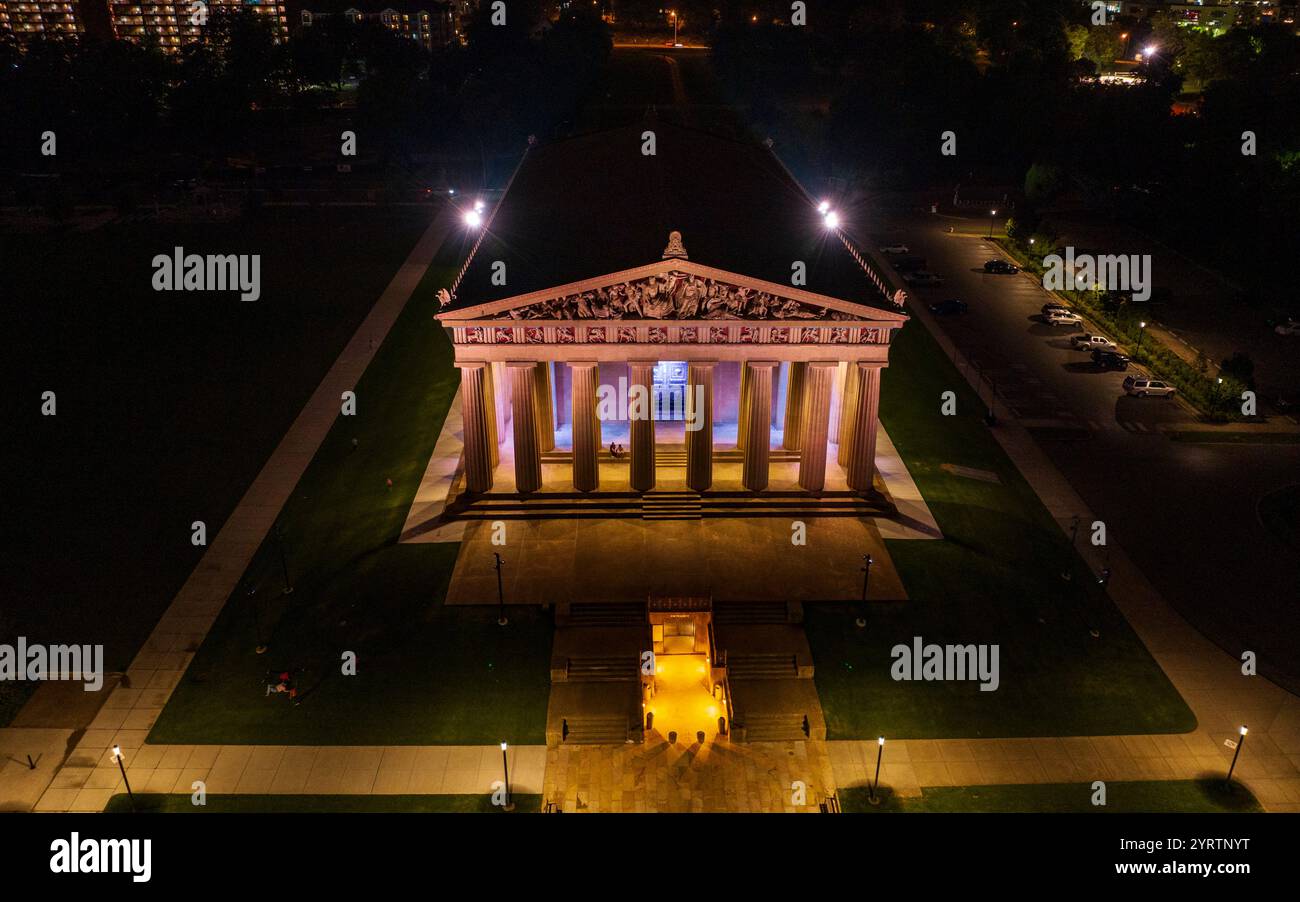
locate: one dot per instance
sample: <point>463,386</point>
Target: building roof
<point>594,204</point>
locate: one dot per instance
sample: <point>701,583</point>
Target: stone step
<point>670,506</point>
<point>762,666</point>
<point>603,670</point>
<point>751,613</point>
<point>594,730</point>
<point>773,727</point>
<point>606,614</point>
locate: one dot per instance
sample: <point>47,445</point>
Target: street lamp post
<point>117,756</point>
<point>1142,330</point>
<point>872,797</point>
<point>284,564</point>
<point>992,213</point>
<point>1235,753</point>
<point>673,15</point>
<point>867,561</point>
<point>501,594</point>
<point>505,770</point>
<point>260,647</point>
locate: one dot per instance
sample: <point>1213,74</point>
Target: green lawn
<point>168,402</point>
<point>426,673</point>
<point>994,578</point>
<point>1139,796</point>
<point>180,803</point>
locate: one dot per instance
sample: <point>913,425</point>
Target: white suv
<point>1088,342</point>
<point>1142,387</point>
<point>1063,318</point>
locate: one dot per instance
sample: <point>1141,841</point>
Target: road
<point>1186,513</point>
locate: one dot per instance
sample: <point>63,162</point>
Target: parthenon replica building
<point>653,290</point>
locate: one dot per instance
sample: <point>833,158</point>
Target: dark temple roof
<point>594,204</point>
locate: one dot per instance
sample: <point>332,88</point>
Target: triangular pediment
<point>672,290</point>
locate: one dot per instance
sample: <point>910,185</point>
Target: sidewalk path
<point>1209,680</point>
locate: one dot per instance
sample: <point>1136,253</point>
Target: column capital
<point>522,364</point>
<point>762,364</point>
<point>829,364</point>
<point>649,363</point>
<point>871,364</point>
<point>575,364</point>
<point>701,363</point>
<point>469,364</point>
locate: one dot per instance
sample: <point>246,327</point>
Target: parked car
<point>1088,341</point>
<point>922,277</point>
<point>895,249</point>
<point>907,263</point>
<point>1110,360</point>
<point>946,307</point>
<point>1063,318</point>
<point>1049,308</point>
<point>1142,387</point>
<point>1000,267</point>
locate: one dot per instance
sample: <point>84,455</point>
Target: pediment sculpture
<point>674,295</point>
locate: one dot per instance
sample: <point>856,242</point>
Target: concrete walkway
<point>1210,682</point>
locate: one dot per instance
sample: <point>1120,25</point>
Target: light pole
<point>992,213</point>
<point>673,15</point>
<point>505,769</point>
<point>866,578</point>
<point>117,756</point>
<point>284,564</point>
<point>501,595</point>
<point>260,647</point>
<point>1235,753</point>
<point>1074,534</point>
<point>1142,330</point>
<point>880,753</point>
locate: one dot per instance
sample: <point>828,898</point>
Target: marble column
<point>528,457</point>
<point>758,433</point>
<point>501,395</point>
<point>699,442</point>
<point>586,427</point>
<point>795,413</point>
<point>742,408</point>
<point>476,417</point>
<point>848,399</point>
<point>820,378</point>
<point>545,414</point>
<point>866,408</point>
<point>641,380</point>
<point>490,411</point>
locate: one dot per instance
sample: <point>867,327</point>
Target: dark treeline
<point>864,95</point>
<point>117,105</point>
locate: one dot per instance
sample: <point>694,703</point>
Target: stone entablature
<point>654,332</point>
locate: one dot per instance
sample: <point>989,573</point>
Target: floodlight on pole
<point>831,219</point>
<point>824,207</point>
<point>473,218</point>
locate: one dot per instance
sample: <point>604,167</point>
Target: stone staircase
<point>595,729</point>
<point>680,505</point>
<point>750,613</point>
<point>772,728</point>
<point>613,669</point>
<point>763,666</point>
<point>670,506</point>
<point>602,613</point>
